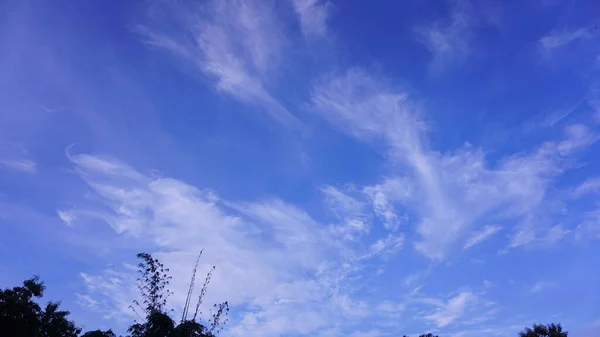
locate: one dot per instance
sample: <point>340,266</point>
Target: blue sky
<point>352,168</point>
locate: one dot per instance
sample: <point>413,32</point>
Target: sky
<point>351,168</point>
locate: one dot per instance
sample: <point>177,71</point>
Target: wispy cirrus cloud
<point>387,246</point>
<point>66,216</point>
<point>448,40</point>
<point>482,235</point>
<point>561,38</point>
<point>590,186</point>
<point>239,44</point>
<point>447,193</point>
<point>384,195</point>
<point>19,165</point>
<point>271,256</point>
<point>451,310</point>
<point>528,236</point>
<point>355,220</point>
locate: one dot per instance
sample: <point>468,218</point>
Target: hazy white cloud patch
<point>19,165</point>
<point>239,44</point>
<point>313,15</point>
<point>450,40</point>
<point>487,284</point>
<point>541,285</point>
<point>414,279</point>
<point>110,293</point>
<point>589,228</point>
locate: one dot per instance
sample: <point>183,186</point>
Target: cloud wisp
<point>21,165</point>
<point>454,308</point>
<point>562,38</point>
<point>447,193</point>
<point>313,15</point>
<point>448,41</point>
<point>482,235</point>
<point>238,44</point>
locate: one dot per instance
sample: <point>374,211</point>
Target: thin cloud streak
<point>480,236</point>
<point>561,38</point>
<point>21,165</point>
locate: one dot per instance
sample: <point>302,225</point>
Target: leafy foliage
<point>20,315</point>
<point>153,285</point>
<point>541,330</point>
<point>99,333</point>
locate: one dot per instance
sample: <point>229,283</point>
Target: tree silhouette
<point>21,316</point>
<point>153,285</point>
<point>541,330</point>
<point>99,333</point>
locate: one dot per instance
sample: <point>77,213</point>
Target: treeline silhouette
<point>22,316</point>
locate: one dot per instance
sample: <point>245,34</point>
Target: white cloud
<point>239,44</point>
<point>387,246</point>
<point>528,237</point>
<point>110,293</point>
<point>522,237</point>
<point>560,38</point>
<point>414,278</point>
<point>590,226</point>
<point>453,309</point>
<point>383,195</point>
<point>21,165</point>
<point>348,210</point>
<point>577,136</point>
<point>596,104</point>
<point>271,256</point>
<point>541,285</point>
<point>590,186</point>
<point>482,235</point>
<point>554,235</point>
<point>370,333</point>
<point>66,216</point>
<point>313,15</point>
<point>447,193</point>
<point>557,116</point>
<point>448,41</point>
